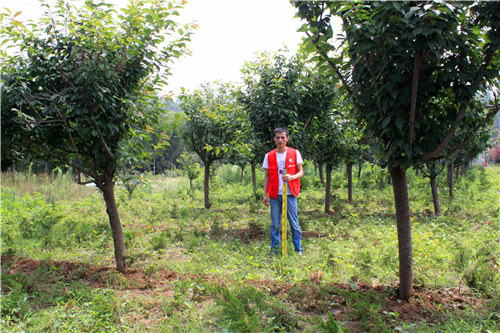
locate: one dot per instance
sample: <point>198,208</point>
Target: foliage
<point>388,62</point>
<point>81,81</point>
<point>190,167</point>
<point>213,117</point>
<point>271,98</point>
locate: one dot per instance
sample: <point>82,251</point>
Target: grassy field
<point>198,270</point>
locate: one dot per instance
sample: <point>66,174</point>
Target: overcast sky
<point>229,33</point>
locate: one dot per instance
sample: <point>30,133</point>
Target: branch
<point>106,148</point>
<point>489,116</point>
<point>48,151</point>
<point>336,69</point>
<point>377,87</point>
<point>414,90</point>
<point>66,126</point>
<point>79,182</point>
<point>101,137</point>
<point>451,132</point>
<point>308,122</point>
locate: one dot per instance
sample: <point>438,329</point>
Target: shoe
<point>300,253</point>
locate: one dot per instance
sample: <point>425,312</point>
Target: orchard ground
<point>193,269</point>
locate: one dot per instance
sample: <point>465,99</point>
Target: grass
<point>198,270</point>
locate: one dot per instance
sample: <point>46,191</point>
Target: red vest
<point>291,169</point>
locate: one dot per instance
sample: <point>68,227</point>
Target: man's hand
<point>265,200</point>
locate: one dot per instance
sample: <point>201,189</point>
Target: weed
<point>160,241</point>
<point>330,325</point>
<point>247,310</point>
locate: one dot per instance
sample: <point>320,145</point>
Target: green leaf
<point>386,121</point>
<point>399,122</point>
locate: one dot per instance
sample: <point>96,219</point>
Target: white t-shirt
<point>281,159</point>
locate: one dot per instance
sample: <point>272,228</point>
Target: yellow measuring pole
<point>283,220</point>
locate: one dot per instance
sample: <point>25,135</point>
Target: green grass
<point>207,270</point>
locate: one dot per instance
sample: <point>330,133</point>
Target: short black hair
<point>281,130</point>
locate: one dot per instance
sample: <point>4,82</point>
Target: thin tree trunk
<point>328,187</point>
<point>207,185</point>
<point>190,184</point>
<point>348,171</point>
<point>360,166</point>
<point>320,169</point>
<point>241,174</point>
<point>254,181</point>
<point>116,227</point>
<point>435,197</point>
<point>464,168</point>
<point>402,205</point>
<point>381,183</point>
<point>154,163</point>
<point>457,171</point>
<point>450,180</point>
<point>389,180</point>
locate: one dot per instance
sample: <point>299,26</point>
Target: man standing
<point>275,162</point>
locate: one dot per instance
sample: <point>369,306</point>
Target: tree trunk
<point>320,169</point>
<point>116,226</point>
<point>256,194</point>
<point>254,178</point>
<point>207,185</point>
<point>190,184</point>
<point>154,164</point>
<point>450,180</point>
<point>457,170</point>
<point>402,205</point>
<point>348,171</point>
<point>464,168</point>
<point>381,183</point>
<point>360,166</point>
<point>435,197</point>
<point>328,187</point>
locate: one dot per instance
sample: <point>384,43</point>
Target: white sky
<point>229,33</point>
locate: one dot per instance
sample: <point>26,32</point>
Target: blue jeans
<point>276,212</point>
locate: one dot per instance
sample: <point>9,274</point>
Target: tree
<point>212,127</point>
<point>325,146</point>
<point>190,166</point>
<point>412,70</point>
<point>79,86</point>
<point>165,155</point>
<point>271,98</point>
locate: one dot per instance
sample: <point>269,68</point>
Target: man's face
<point>280,139</point>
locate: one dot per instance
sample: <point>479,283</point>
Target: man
<point>274,164</point>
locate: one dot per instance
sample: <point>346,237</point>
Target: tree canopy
<point>82,82</point>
